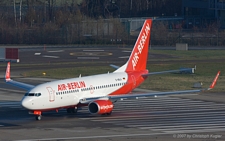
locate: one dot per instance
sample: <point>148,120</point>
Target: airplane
<point>98,92</point>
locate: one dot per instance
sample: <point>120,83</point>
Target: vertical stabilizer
<point>138,58</point>
<point>139,55</point>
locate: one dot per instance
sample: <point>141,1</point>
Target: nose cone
<point>25,103</point>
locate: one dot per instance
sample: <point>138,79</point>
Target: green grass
<point>193,54</point>
<point>205,73</point>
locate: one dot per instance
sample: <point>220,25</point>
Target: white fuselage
<point>68,92</point>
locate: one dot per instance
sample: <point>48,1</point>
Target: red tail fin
<point>7,73</point>
<point>139,55</point>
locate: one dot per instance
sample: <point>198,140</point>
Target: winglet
<point>7,73</point>
<point>214,81</point>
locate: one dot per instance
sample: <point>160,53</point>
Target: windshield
<point>33,94</point>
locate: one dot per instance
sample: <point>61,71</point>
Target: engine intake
<point>100,107</point>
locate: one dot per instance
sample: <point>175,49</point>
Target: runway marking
<point>149,124</point>
<point>93,50</point>
<point>47,56</point>
<point>154,118</point>
<point>161,115</point>
<point>166,114</point>
<point>56,51</point>
<point>197,131</point>
<point>37,53</point>
<point>180,127</point>
<point>126,51</point>
<point>94,137</point>
<point>88,58</point>
<point>12,90</point>
<point>124,57</point>
<point>169,104</point>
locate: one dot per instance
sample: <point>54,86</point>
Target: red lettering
<point>63,86</point>
<point>59,88</point>
<point>69,86</point>
<point>72,85</point>
<point>77,85</point>
<point>82,84</point>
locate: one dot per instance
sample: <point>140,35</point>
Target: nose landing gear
<point>37,114</point>
<point>38,117</point>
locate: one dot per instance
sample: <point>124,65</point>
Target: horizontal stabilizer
<point>114,66</point>
<point>169,71</point>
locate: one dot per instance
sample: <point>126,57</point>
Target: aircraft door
<point>51,94</point>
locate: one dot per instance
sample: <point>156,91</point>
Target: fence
<point>108,32</point>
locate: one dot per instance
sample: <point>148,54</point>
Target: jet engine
<point>100,107</point>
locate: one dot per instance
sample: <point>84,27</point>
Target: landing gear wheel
<point>107,114</point>
<point>71,110</point>
<point>38,117</point>
<point>68,110</point>
<point>74,110</point>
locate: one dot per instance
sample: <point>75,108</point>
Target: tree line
<point>95,22</point>
<point>67,11</point>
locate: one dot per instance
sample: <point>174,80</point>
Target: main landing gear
<point>107,114</point>
<point>72,110</point>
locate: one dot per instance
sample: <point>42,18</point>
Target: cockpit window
<point>37,94</point>
<point>33,94</point>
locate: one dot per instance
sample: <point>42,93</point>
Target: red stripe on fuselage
<point>135,78</point>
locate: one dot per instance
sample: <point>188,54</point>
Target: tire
<point>71,110</point>
<point>68,110</point>
<point>38,118</point>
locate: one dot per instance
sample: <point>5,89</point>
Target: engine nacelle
<point>100,107</point>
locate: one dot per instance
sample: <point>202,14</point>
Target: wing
<point>123,96</point>
<point>15,83</point>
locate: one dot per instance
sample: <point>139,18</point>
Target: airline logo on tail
<point>140,46</point>
<point>139,55</point>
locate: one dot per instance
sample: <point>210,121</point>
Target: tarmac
<point>193,117</point>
